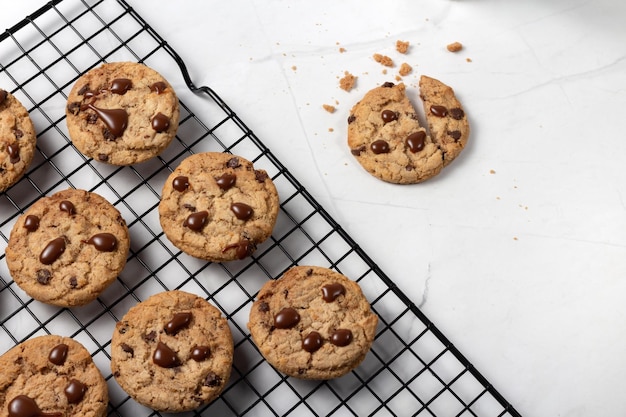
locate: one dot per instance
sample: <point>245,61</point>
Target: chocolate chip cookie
<point>17,140</point>
<point>386,138</point>
<point>172,352</point>
<point>51,376</point>
<point>217,206</point>
<point>67,248</point>
<point>122,113</point>
<point>312,323</point>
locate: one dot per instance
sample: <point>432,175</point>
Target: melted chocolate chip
<point>196,221</point>
<point>68,207</point>
<point>260,175</point>
<point>233,163</point>
<point>121,86</point>
<point>380,146</point>
<point>457,113</point>
<point>115,120</point>
<point>18,133</point>
<point>226,181</point>
<point>180,183</point>
<point>165,357</point>
<point>244,248</point>
<point>388,116</point>
<point>351,118</point>
<point>149,337</point>
<point>189,207</point>
<point>14,153</point>
<point>439,111</point>
<point>74,108</point>
<point>286,318</point>
<point>53,250</point>
<point>58,354</point>
<point>128,349</point>
<point>242,211</point>
<point>416,141</point>
<point>388,84</point>
<point>200,353</point>
<point>84,90</point>
<point>358,151</point>
<point>31,223</point>
<point>330,292</point>
<point>75,391</point>
<point>454,134</point>
<point>103,157</point>
<point>341,337</point>
<point>312,342</point>
<point>212,380</point>
<point>179,322</point>
<point>3,96</point>
<point>160,123</point>
<point>158,87</point>
<point>43,276</point>
<point>73,282</point>
<point>24,406</point>
<point>104,242</point>
<point>264,307</point>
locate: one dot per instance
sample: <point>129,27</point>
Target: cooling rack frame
<point>412,369</point>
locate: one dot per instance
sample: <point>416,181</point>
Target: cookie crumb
<point>405,69</point>
<point>330,129</point>
<point>329,108</point>
<point>402,46</point>
<point>492,171</point>
<point>454,47</point>
<point>342,50</point>
<point>347,82</point>
<point>383,60</point>
<point>294,68</point>
<point>468,59</point>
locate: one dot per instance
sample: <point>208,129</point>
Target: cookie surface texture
<point>386,138</point>
<point>51,374</point>
<point>67,248</point>
<point>17,140</point>
<point>122,113</point>
<point>218,207</point>
<point>172,352</point>
<point>312,323</point>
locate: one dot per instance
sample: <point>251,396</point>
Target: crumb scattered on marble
<point>515,238</point>
<point>330,129</point>
<point>468,59</point>
<point>455,46</point>
<point>342,50</point>
<point>294,68</point>
<point>347,81</point>
<point>405,69</point>
<point>329,108</point>
<point>402,46</point>
<point>383,60</point>
<point>492,171</point>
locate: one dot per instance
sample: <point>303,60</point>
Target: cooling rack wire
<point>412,368</point>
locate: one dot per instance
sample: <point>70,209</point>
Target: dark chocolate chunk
<point>286,318</point>
<point>380,146</point>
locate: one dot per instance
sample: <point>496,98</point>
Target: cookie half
<point>122,113</point>
<point>172,352</point>
<point>312,323</point>
<point>386,138</point>
<point>17,140</point>
<point>67,248</point>
<point>218,207</point>
<point>49,376</point>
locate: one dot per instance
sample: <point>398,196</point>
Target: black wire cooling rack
<point>412,368</point>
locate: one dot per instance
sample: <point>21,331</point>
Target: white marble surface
<point>517,251</point>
